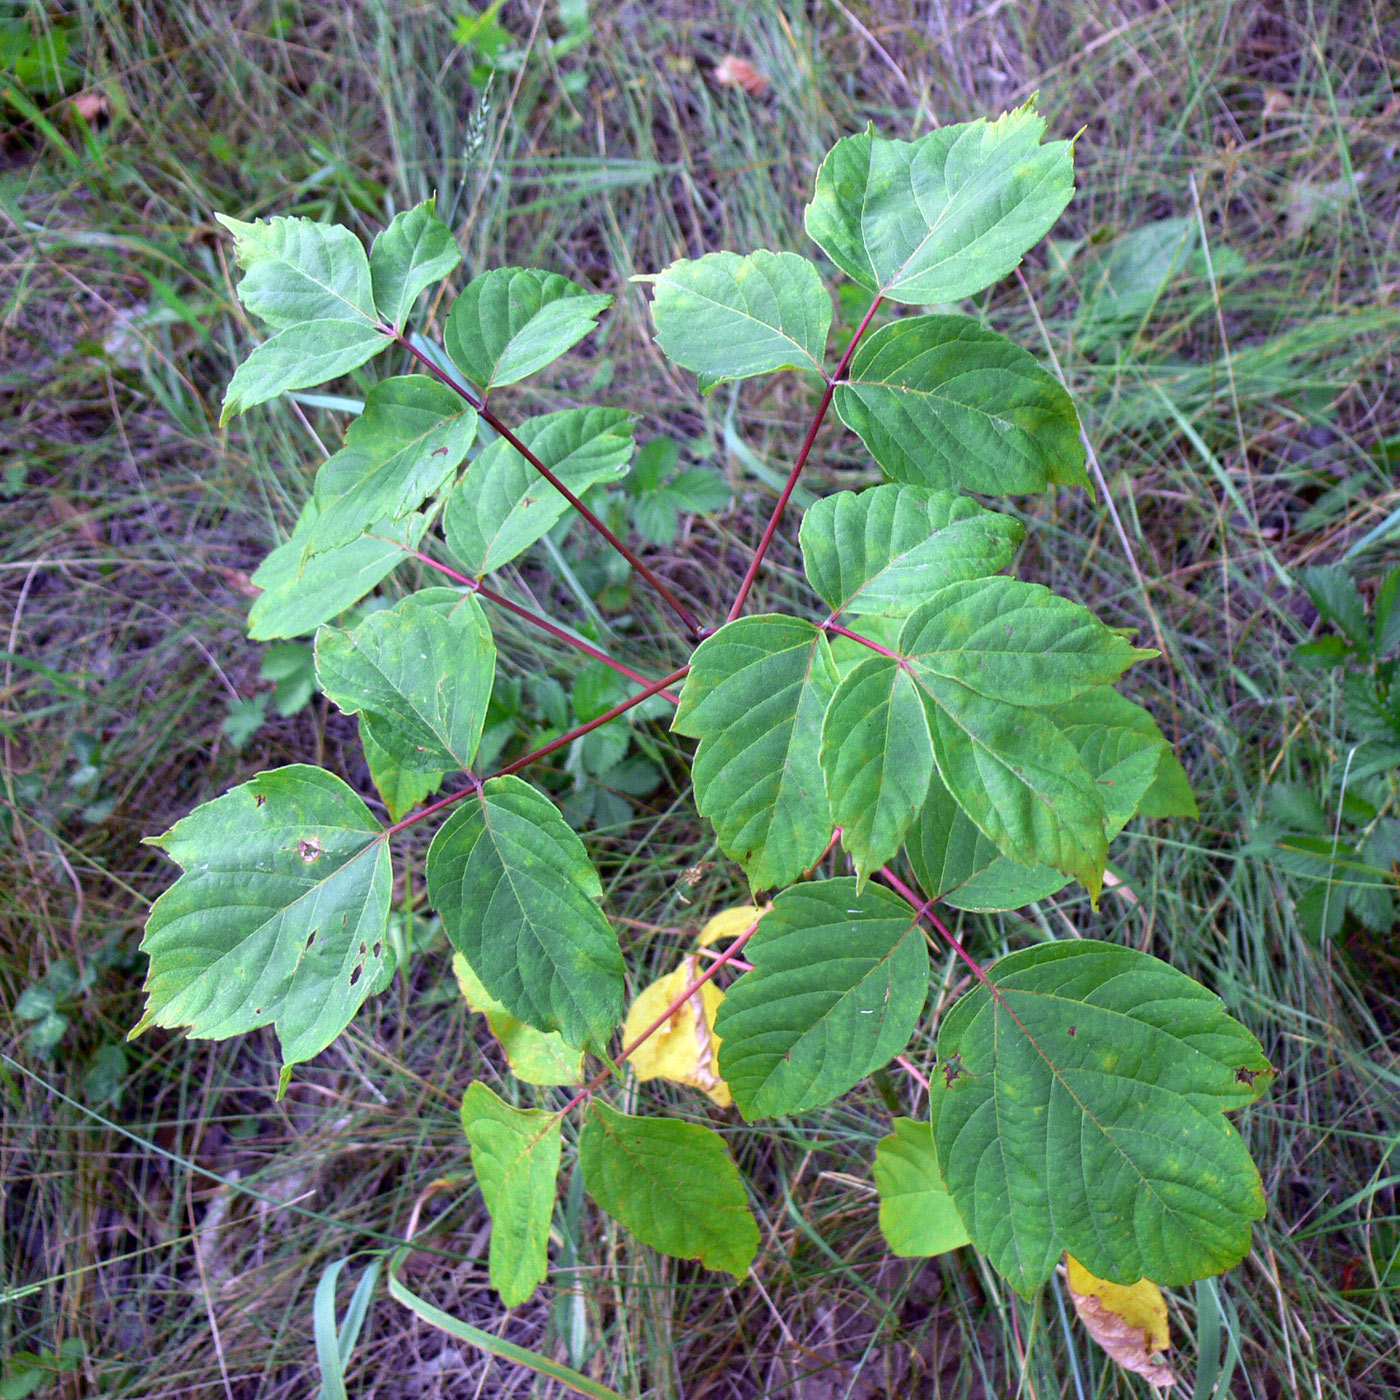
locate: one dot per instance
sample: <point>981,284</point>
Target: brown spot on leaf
<point>259,799</point>
<point>309,849</point>
<point>1073,1030</point>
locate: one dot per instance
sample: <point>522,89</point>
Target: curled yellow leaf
<point>1129,1321</point>
<point>685,1050</point>
<point>730,923</point>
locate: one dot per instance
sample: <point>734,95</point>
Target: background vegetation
<point>164,1223</point>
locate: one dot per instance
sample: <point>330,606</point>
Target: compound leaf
<point>279,918</point>
<point>503,505</point>
<point>755,697</point>
<point>877,756</point>
<point>513,321</point>
<point>885,550</point>
<point>942,217</point>
<point>402,449</point>
<point>515,1155</point>
<point>517,894</point>
<point>838,982</point>
<point>311,283</point>
<point>300,593</point>
<point>416,250</point>
<point>1080,1106</point>
<point>917,1215</point>
<point>942,401</point>
<point>729,317</point>
<point>419,674</point>
<point>672,1184</point>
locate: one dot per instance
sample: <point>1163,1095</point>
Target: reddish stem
<point>679,608</point>
<point>840,631</point>
<point>621,708</point>
<point>908,1066</point>
<point>773,521</point>
<point>924,909</point>
<point>536,620</point>
<point>727,956</point>
<point>473,786</point>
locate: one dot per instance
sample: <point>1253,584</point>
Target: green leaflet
<point>419,674</point>
<point>1020,780</point>
<point>298,358</point>
<point>755,697</point>
<point>1014,641</point>
<point>838,983</point>
<point>279,918</point>
<point>517,894</point>
<point>311,283</point>
<point>513,321</point>
<point>401,788</point>
<point>1122,748</point>
<point>402,449</point>
<point>942,401</point>
<point>877,756</point>
<point>672,1184</point>
<point>1081,1108</point>
<point>515,1155</point>
<point>955,863</point>
<point>298,594</point>
<point>942,217</point>
<point>296,271</point>
<point>503,505</point>
<point>537,1057</point>
<point>1124,754</point>
<point>885,550</point>
<point>917,1215</point>
<point>416,250</point>
<point>730,317</point>
<point>988,655</point>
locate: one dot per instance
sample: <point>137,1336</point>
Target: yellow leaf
<point>685,1050</point>
<point>537,1057</point>
<point>730,923</point>
<point>1129,1321</point>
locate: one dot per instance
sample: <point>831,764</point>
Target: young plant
<point>1343,845</point>
<point>955,729</point>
